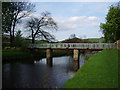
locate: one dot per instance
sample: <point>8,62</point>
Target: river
<point>38,74</point>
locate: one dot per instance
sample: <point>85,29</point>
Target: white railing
<point>73,45</point>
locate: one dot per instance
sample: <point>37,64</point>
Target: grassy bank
<point>29,55</point>
<point>16,55</point>
<point>55,53</point>
<point>100,71</point>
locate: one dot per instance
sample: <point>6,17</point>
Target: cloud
<point>34,15</point>
<point>95,24</point>
<point>22,14</point>
<point>93,18</point>
<point>77,22</point>
<point>76,18</point>
<point>74,24</point>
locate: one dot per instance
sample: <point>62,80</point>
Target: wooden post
<point>75,59</point>
<point>49,57</point>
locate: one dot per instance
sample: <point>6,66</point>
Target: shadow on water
<point>38,74</point>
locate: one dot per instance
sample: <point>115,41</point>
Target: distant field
<point>96,39</point>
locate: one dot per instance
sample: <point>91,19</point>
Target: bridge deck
<point>73,45</point>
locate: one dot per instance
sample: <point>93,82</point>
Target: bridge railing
<point>73,45</point>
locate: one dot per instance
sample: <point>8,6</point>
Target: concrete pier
<point>118,44</point>
<point>76,59</point>
<point>49,57</point>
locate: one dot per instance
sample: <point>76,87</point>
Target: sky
<point>80,18</point>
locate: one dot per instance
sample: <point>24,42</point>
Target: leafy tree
<point>7,17</point>
<point>111,29</point>
<point>12,13</point>
<point>38,25</point>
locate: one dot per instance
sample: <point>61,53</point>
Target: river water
<point>38,74</point>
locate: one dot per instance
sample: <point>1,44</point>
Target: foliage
<point>12,13</point>
<point>38,26</point>
<point>99,72</point>
<point>18,41</point>
<point>58,53</point>
<point>6,16</point>
<point>16,55</point>
<point>111,29</point>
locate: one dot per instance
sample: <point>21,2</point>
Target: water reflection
<point>39,75</point>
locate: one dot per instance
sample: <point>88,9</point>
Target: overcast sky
<point>80,18</point>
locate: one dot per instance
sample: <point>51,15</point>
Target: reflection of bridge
<point>75,46</point>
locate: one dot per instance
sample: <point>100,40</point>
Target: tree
<point>7,18</point>
<point>18,41</point>
<point>111,29</point>
<point>72,36</point>
<point>12,13</point>
<point>38,25</point>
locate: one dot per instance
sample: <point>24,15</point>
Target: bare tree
<point>38,27</point>
<point>23,9</point>
<point>72,36</point>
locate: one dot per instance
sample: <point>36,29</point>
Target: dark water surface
<point>38,74</point>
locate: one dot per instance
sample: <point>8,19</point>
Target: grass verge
<point>28,56</point>
<point>100,71</point>
<point>16,55</point>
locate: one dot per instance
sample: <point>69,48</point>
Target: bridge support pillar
<point>49,57</point>
<point>118,44</point>
<point>76,59</point>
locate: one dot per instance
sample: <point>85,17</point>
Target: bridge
<point>75,47</point>
<point>81,46</point>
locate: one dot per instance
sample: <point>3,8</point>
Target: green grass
<point>96,40</point>
<point>100,71</point>
<point>10,55</point>
<point>15,55</point>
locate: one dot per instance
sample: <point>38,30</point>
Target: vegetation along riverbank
<point>100,71</point>
<point>12,55</point>
<point>16,55</point>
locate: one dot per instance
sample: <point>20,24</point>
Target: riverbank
<point>12,55</point>
<point>16,55</point>
<point>100,71</point>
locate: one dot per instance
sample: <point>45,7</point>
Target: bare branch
<point>38,26</point>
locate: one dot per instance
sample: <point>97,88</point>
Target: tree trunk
<point>11,39</point>
<point>33,40</point>
<point>33,37</point>
<point>13,29</point>
<point>14,24</point>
